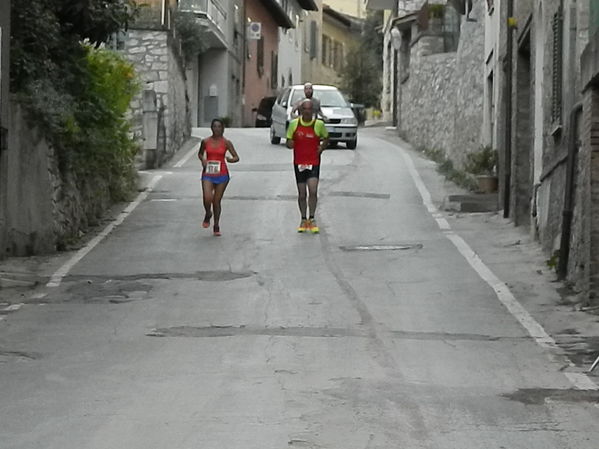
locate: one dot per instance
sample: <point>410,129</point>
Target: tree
<point>74,90</point>
<point>361,77</point>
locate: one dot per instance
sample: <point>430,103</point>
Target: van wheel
<point>273,138</point>
<point>352,144</point>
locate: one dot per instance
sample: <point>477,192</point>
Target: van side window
<point>285,97</point>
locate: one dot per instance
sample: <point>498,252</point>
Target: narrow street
<point>383,331</point>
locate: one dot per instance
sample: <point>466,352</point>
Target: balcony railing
<point>209,9</point>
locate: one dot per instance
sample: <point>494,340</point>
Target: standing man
<point>308,138</point>
<point>309,95</point>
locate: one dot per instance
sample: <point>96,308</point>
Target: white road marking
<point>579,380</point>
<point>57,277</point>
<point>185,158</point>
<point>164,200</point>
<point>13,307</point>
<point>38,295</point>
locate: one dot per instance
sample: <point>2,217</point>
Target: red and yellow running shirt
<point>306,137</point>
<point>215,156</point>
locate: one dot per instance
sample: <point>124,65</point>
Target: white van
<point>341,122</point>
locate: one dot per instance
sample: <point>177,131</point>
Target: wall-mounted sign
<point>254,30</point>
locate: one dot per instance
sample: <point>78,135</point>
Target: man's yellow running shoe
<point>303,226</point>
<point>313,227</point>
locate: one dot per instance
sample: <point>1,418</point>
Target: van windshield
<point>328,98</point>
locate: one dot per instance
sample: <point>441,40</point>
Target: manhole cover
<point>381,196</point>
<point>395,247</point>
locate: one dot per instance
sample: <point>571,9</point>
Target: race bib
<point>303,167</point>
<point>213,167</point>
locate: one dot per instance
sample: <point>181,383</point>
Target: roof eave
<point>310,5</point>
<point>278,13</point>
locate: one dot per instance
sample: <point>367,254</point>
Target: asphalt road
<point>383,331</point>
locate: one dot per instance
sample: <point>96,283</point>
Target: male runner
<point>308,138</point>
<point>309,95</point>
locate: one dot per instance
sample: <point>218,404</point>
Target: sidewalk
<point>518,260</point>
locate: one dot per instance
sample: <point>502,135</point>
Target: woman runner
<point>215,174</point>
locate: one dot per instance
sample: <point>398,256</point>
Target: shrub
<point>482,162</point>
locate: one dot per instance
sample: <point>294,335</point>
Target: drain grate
<point>391,247</point>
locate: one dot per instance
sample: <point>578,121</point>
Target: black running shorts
<point>302,176</point>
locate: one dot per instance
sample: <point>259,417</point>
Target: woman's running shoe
<point>313,227</point>
<point>206,222</point>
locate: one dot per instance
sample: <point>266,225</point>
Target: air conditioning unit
<point>254,30</point>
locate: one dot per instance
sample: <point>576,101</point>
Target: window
<point>306,37</point>
<point>338,56</point>
<point>404,55</point>
<point>325,53</point>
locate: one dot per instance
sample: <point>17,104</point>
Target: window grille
<point>556,81</point>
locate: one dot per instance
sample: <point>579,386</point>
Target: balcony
<point>380,4</point>
<point>211,16</point>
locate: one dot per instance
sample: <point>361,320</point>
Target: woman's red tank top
<point>215,157</point>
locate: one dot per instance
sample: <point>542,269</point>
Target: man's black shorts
<point>301,177</point>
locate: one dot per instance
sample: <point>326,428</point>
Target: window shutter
<point>557,68</point>
<point>260,56</point>
<point>313,39</point>
<point>274,76</point>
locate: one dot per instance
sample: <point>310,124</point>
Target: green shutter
<point>557,68</point>
<point>594,19</point>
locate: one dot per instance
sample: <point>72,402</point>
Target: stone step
<point>475,202</point>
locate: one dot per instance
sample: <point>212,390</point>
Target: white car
<point>341,123</point>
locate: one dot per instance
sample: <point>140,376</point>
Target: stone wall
<point>160,67</point>
<point>428,102</point>
<point>469,88</point>
<point>28,213</point>
<point>45,209</point>
<point>442,100</point>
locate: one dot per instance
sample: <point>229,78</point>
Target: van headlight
<point>349,121</point>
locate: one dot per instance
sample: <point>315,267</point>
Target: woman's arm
<point>234,156</point>
<point>201,153</point>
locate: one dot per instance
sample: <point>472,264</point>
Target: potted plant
<point>483,164</point>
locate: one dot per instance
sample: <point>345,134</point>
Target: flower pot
<point>487,183</point>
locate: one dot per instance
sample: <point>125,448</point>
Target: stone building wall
<point>442,100</point>
<point>469,88</point>
<point>159,66</point>
<point>427,106</point>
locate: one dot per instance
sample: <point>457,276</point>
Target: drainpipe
<point>508,110</point>
<point>567,213</point>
